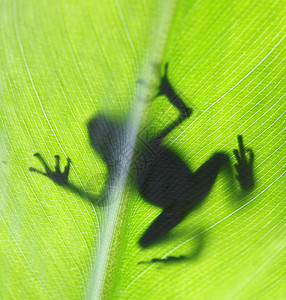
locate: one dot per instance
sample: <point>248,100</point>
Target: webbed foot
<point>244,166</point>
<point>57,176</point>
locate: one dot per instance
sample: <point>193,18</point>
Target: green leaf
<point>63,63</point>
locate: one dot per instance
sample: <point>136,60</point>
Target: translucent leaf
<point>66,63</point>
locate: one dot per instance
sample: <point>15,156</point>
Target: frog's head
<point>106,137</point>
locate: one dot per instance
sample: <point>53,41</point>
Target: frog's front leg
<point>165,88</point>
<point>57,176</point>
<point>61,178</point>
<point>244,166</point>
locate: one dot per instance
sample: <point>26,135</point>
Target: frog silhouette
<point>162,178</point>
<point>165,180</point>
<point>108,139</point>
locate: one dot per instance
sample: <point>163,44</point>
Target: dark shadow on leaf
<point>199,242</point>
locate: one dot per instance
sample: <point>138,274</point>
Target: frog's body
<point>164,179</point>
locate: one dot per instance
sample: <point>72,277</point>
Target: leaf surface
<point>63,63</point>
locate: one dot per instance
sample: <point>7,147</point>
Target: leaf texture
<point>63,63</point>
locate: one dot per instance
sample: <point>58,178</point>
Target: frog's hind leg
<point>204,178</point>
<point>201,183</point>
<point>167,220</point>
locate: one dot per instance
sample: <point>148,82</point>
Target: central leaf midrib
<point>101,278</point>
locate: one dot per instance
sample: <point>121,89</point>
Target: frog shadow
<point>161,177</point>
